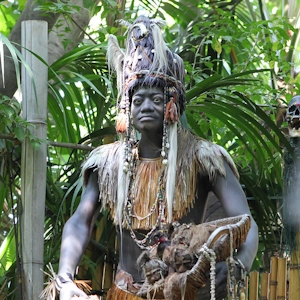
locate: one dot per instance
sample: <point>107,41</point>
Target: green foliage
<point>234,57</point>
<point>12,123</point>
<point>58,7</point>
<point>7,253</point>
<point>9,13</point>
<point>229,68</point>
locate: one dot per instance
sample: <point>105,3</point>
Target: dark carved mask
<point>293,117</point>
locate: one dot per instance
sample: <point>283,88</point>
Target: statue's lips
<point>146,118</point>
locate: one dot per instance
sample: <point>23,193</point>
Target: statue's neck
<point>150,146</point>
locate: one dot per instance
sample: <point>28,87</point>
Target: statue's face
<point>147,109</point>
<point>293,117</point>
<point>183,259</point>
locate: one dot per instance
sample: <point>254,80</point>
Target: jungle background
<point>242,61</point>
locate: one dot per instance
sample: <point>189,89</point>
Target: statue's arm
<point>234,202</point>
<point>77,230</point>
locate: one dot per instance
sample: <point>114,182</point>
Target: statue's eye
<point>292,109</point>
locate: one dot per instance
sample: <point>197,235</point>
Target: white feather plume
<point>115,56</point>
<point>160,61</point>
<point>171,172</point>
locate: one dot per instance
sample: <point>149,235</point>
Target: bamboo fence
<point>282,282</point>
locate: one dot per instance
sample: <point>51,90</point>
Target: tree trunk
<point>64,35</point>
<point>29,13</point>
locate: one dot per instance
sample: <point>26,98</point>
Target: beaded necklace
<point>159,204</point>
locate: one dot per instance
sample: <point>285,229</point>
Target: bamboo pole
<point>294,286</point>
<point>33,161</point>
<point>254,285</point>
<point>247,288</point>
<point>265,282</point>
<point>273,278</point>
<point>281,278</point>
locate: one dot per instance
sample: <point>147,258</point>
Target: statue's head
<point>293,117</point>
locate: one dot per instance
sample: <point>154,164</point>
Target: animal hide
<point>177,258</point>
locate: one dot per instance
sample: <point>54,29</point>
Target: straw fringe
<point>49,292</point>
<point>105,161</point>
<point>147,171</point>
<point>195,157</point>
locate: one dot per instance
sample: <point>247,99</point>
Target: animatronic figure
<point>156,174</point>
<point>291,180</point>
<point>292,176</point>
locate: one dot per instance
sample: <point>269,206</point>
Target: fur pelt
<point>169,273</point>
<point>186,241</point>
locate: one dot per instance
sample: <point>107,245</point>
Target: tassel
<point>49,292</point>
<point>121,122</point>
<point>171,111</point>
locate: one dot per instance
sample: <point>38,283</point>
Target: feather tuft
<point>124,23</point>
<point>160,61</point>
<point>159,22</point>
<point>121,122</point>
<point>115,57</point>
<point>171,112</point>
<point>49,292</point>
<point>171,173</point>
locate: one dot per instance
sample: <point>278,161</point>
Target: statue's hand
<point>69,289</point>
<point>221,283</point>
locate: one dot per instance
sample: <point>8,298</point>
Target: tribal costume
<point>141,193</point>
<point>145,194</point>
<point>196,157</point>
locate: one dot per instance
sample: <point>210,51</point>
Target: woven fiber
<point>230,234</point>
<point>235,229</point>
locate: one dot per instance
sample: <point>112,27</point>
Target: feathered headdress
<point>147,62</point>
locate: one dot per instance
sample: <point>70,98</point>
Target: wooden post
<point>294,288</point>
<point>265,281</point>
<point>254,276</point>
<point>273,278</point>
<point>33,161</point>
<point>281,279</point>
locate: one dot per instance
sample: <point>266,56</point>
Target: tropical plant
<point>240,66</point>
